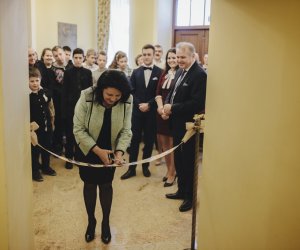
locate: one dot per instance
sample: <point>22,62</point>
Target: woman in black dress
<point>102,126</point>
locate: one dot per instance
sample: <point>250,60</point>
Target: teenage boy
<point>68,53</point>
<point>76,79</point>
<point>59,67</point>
<point>144,82</point>
<point>39,113</point>
<point>101,61</point>
<point>90,60</point>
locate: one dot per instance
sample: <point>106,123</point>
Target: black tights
<point>90,197</point>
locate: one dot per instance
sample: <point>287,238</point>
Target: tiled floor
<point>141,218</point>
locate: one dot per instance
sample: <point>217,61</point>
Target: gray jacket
<point>88,119</point>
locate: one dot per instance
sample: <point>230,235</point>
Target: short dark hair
<point>112,78</point>
<point>34,72</point>
<point>148,46</point>
<point>67,48</point>
<point>78,51</point>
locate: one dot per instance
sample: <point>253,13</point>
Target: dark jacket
<point>189,98</point>
<point>141,93</point>
<point>39,109</point>
<point>75,80</point>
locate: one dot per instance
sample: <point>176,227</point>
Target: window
<point>193,12</point>
<point>119,28</point>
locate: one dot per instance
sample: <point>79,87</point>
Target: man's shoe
<point>175,196</point>
<point>146,172</point>
<point>68,165</point>
<point>130,173</point>
<point>49,171</point>
<point>186,206</point>
<point>36,176</point>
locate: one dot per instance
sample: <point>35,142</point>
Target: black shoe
<point>169,184</point>
<point>90,231</point>
<point>164,178</point>
<point>146,172</point>
<point>130,173</point>
<point>175,196</point>
<point>36,176</point>
<point>186,206</point>
<point>49,171</point>
<point>105,233</point>
<point>68,165</point>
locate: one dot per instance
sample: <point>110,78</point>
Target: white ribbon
<point>190,127</point>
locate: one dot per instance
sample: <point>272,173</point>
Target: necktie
<point>145,68</point>
<point>179,80</point>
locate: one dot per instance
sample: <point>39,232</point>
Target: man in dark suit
<point>185,99</point>
<point>76,79</point>
<point>143,81</point>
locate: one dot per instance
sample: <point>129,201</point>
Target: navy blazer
<point>141,93</point>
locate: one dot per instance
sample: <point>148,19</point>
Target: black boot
<point>105,233</point>
<point>90,231</point>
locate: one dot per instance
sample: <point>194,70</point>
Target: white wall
<point>14,120</point>
<point>150,22</point>
<point>47,13</point>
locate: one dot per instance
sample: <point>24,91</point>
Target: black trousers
<point>58,122</point>
<point>184,157</point>
<point>70,139</point>
<point>44,139</point>
<point>143,126</point>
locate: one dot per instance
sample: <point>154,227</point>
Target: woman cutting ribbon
<point>102,126</point>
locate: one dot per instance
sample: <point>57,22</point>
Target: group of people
<point>106,112</point>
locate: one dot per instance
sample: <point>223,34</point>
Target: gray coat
<point>88,119</point>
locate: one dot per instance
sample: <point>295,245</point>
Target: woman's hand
<point>118,158</point>
<point>103,155</point>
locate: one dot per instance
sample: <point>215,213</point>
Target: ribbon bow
<point>192,127</point>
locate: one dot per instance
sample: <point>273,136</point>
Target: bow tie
<point>145,68</point>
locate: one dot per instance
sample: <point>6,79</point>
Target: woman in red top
<point>164,137</point>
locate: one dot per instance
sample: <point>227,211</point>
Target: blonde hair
<point>90,52</point>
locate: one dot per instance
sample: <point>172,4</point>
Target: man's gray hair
<point>186,46</point>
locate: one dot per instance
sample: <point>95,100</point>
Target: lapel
<point>141,77</point>
<point>153,75</point>
<point>187,75</point>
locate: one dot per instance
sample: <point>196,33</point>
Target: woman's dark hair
<point>44,52</point>
<point>167,67</point>
<point>112,78</point>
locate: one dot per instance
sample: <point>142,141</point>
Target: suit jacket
<point>88,120</point>
<point>141,93</point>
<point>189,98</point>
<point>39,109</point>
<point>75,80</point>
